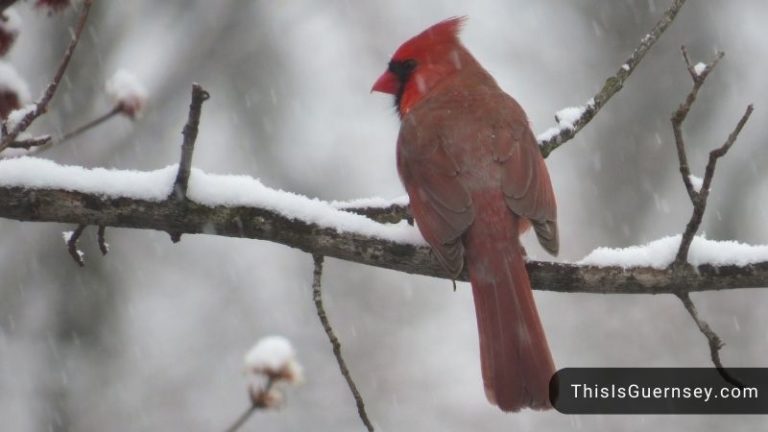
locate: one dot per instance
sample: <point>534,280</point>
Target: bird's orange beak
<point>387,83</point>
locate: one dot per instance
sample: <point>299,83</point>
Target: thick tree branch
<point>46,205</point>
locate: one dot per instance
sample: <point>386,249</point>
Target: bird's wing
<point>525,182</point>
<point>439,202</point>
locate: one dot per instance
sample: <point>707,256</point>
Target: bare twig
<point>682,113</point>
<point>199,95</point>
<point>614,83</point>
<point>715,343</point>
<point>317,296</point>
<point>259,400</point>
<point>699,74</point>
<point>41,106</point>
<point>701,197</point>
<point>45,142</point>
<point>240,421</point>
<point>90,125</point>
<point>72,245</point>
<point>31,142</point>
<point>698,197</point>
<point>103,246</point>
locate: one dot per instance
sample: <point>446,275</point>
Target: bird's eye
<point>402,69</point>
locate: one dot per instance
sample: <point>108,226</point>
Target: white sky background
<point>152,336</point>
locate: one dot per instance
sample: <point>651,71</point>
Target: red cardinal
<point>476,180</point>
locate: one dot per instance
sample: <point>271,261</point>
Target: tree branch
<point>41,106</point>
<point>199,95</point>
<point>614,83</point>
<point>699,197</point>
<point>63,206</point>
<point>317,296</point>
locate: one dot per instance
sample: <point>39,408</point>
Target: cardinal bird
<point>476,181</point>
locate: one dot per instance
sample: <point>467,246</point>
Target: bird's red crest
<point>446,31</point>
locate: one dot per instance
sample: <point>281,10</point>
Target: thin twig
<point>41,106</point>
<point>243,418</point>
<point>103,246</point>
<point>317,296</point>
<point>259,400</point>
<point>681,114</point>
<point>715,343</point>
<point>614,83</point>
<point>45,142</point>
<point>90,125</point>
<point>699,199</point>
<point>199,95</point>
<point>31,142</point>
<point>72,245</point>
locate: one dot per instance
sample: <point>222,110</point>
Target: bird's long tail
<point>515,358</point>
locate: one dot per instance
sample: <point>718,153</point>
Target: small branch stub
<point>199,95</point>
<point>74,252</point>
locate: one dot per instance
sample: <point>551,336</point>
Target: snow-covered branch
<point>571,120</point>
<point>240,206</point>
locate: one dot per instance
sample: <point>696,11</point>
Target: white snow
<point>660,253</point>
<point>625,67</point>
<point>699,68</point>
<point>127,91</point>
<point>204,188</point>
<point>697,182</point>
<point>44,174</point>
<point>566,120</point>
<point>273,356</point>
<point>11,81</point>
<point>15,116</point>
<point>373,202</point>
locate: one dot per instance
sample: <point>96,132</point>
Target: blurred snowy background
<point>152,336</point>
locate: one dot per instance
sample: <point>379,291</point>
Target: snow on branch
<point>241,206</point>
<point>568,124</point>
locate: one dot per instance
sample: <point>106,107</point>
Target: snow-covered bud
<point>10,23</point>
<point>128,93</point>
<point>275,358</point>
<point>14,92</point>
<point>53,5</point>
